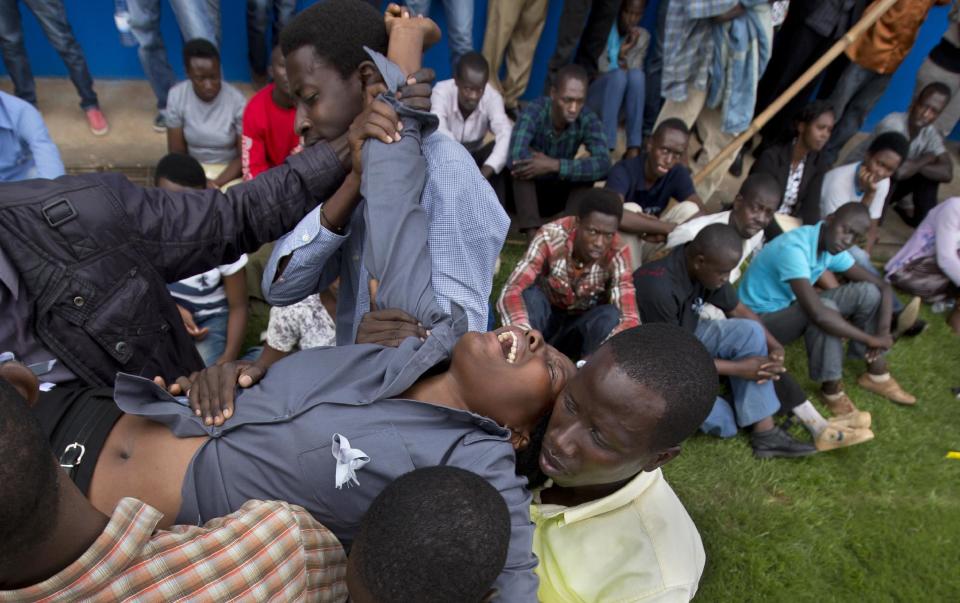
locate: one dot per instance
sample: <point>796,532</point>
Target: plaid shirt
<point>549,262</point>
<point>534,131</point>
<point>266,551</point>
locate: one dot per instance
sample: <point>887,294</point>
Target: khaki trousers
<point>513,27</point>
<point>642,251</point>
<point>709,122</point>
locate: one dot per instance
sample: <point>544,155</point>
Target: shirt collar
<point>621,498</point>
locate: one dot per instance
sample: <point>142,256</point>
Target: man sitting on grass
<point>647,183</point>
<point>574,282</point>
<point>543,150</point>
<point>674,290</point>
<point>753,210</point>
<point>778,286</point>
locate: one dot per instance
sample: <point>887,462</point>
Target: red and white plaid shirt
<point>266,551</point>
<point>549,263</point>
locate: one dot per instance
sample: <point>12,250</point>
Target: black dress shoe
<point>778,443</point>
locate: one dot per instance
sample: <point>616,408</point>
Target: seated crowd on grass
<point>383,439</point>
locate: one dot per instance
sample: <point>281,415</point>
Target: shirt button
<point>121,347</point>
<point>305,237</point>
<point>79,301</point>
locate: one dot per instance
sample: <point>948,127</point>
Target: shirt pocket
<point>344,507</point>
<point>128,323</point>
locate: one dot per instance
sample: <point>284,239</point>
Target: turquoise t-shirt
<point>766,288</point>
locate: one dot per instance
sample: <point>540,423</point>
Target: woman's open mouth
<point>509,343</point>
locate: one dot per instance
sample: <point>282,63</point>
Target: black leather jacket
<point>95,253</point>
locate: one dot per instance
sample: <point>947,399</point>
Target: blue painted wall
<point>92,22</point>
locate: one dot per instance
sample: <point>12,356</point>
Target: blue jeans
<point>258,18</point>
<point>212,346</point>
<point>196,18</point>
<point>53,19</point>
<point>459,24</point>
<point>735,339</point>
<point>575,335</point>
<point>862,258</point>
<point>857,91</point>
<point>615,90</point>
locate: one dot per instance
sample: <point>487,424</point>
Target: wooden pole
<point>874,12</point>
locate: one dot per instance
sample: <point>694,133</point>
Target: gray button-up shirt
<point>467,228</point>
<point>278,443</point>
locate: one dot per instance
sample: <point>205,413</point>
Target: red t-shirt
<point>268,135</point>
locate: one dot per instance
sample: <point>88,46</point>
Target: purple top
<point>938,234</point>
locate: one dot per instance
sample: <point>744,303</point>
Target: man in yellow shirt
<point>608,526</point>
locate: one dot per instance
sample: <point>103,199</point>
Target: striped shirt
<point>266,551</point>
<point>549,264</point>
<point>203,294</point>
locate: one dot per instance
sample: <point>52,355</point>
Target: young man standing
<point>647,183</point>
<point>574,282</point>
<point>268,130</point>
<point>713,54</point>
<point>469,108</point>
<point>52,16</point>
<point>778,286</point>
<point>674,290</point>
<point>927,163</point>
<point>513,28</point>
<point>544,146</point>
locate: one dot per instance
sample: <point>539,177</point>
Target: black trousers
<point>539,199</point>
<point>584,28</point>
<point>924,191</point>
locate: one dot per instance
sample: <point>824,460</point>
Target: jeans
<point>53,19</point>
<point>856,93</point>
<point>735,339</point>
<point>212,346</point>
<point>616,89</point>
<point>459,24</point>
<point>857,302</point>
<point>862,258</point>
<point>258,18</point>
<point>653,70</point>
<point>575,335</point>
<point>196,18</point>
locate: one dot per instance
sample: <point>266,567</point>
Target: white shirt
<point>686,232</point>
<point>637,544</point>
<point>840,188</point>
<point>488,116</point>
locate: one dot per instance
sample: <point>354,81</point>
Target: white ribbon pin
<point>349,461</point>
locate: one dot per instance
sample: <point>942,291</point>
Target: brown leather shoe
<point>839,406</point>
<point>889,389</point>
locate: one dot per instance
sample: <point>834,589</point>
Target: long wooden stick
<point>876,10</point>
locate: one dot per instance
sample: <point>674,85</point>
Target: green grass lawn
<point>876,522</point>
